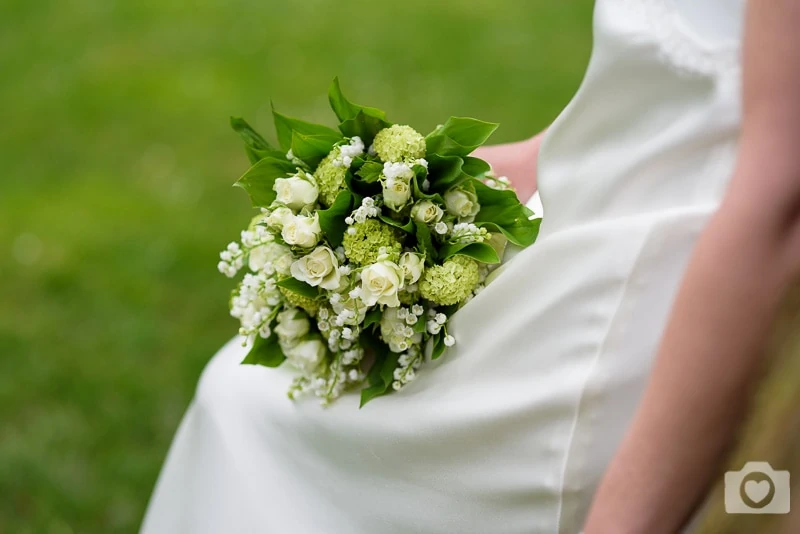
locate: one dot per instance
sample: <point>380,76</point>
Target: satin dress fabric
<point>510,432</point>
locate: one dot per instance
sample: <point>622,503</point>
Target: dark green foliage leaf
<point>445,172</point>
<point>374,317</point>
<point>266,352</point>
<point>361,188</point>
<point>301,288</point>
<point>357,163</point>
<point>406,226</point>
<point>459,136</point>
<point>482,252</point>
<point>416,185</point>
<point>370,172</point>
<point>311,148</point>
<point>420,326</point>
<point>345,109</point>
<point>506,214</point>
<point>380,376</point>
<point>257,147</point>
<point>438,346</point>
<point>425,243</point>
<point>364,126</point>
<point>449,310</point>
<point>259,179</point>
<point>332,219</point>
<point>285,126</point>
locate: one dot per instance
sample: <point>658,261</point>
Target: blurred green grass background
<point>115,197</point>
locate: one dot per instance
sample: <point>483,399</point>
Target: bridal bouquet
<point>368,239</point>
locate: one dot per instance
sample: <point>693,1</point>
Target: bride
<point>575,399</point>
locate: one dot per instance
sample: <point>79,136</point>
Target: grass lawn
<point>115,197</point>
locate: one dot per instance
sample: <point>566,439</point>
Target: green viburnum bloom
<point>399,143</point>
<point>330,178</point>
<point>305,303</point>
<point>451,282</point>
<point>363,241</point>
<point>407,298</point>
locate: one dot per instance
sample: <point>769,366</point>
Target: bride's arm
<point>517,161</point>
<point>741,267</point>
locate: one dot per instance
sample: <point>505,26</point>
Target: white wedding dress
<point>511,431</point>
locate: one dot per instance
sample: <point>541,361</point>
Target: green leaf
<point>438,346</point>
<point>357,163</point>
<point>420,175</point>
<point>407,227</point>
<point>521,233</point>
<point>370,172</point>
<point>345,109</point>
<point>266,352</point>
<point>332,219</point>
<point>364,126</point>
<point>311,148</point>
<point>380,376</point>
<point>420,327</point>
<point>425,243</point>
<point>475,167</point>
<point>301,288</point>
<point>374,317</point>
<point>506,214</point>
<point>286,126</point>
<point>259,179</point>
<point>257,147</point>
<point>445,172</point>
<point>482,252</point>
<point>459,136</point>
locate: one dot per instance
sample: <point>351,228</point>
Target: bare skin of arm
<point>714,343</point>
<point>517,161</point>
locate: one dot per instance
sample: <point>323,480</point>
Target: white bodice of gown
<point>511,431</point>
<point>654,124</point>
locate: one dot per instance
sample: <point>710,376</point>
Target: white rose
<point>292,324</point>
<point>279,216</point>
<point>380,283</point>
<point>307,355</point>
<point>396,193</point>
<point>296,192</point>
<point>320,268</point>
<point>461,203</point>
<point>280,256</point>
<point>412,265</point>
<point>427,212</point>
<point>302,231</point>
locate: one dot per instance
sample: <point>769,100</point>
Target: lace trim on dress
<point>679,47</point>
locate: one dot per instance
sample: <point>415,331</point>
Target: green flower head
<point>399,143</point>
<point>451,282</point>
<point>305,303</point>
<point>363,241</point>
<point>330,177</point>
<point>408,298</point>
